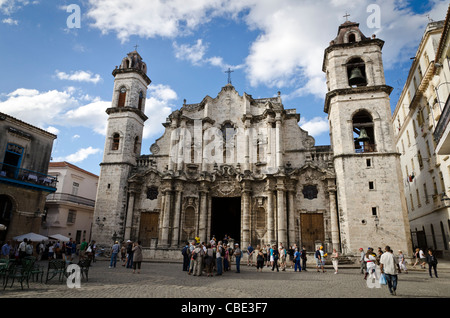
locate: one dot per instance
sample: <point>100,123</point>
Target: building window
<point>368,163</point>
<point>425,190</point>
<point>419,204</point>
<point>122,97</point>
<point>12,160</point>
<point>419,158</point>
<point>374,211</point>
<point>71,216</point>
<point>75,187</point>
<point>371,185</point>
<point>141,99</point>
<point>115,142</point>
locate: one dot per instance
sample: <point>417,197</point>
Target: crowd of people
<point>130,255</point>
<point>391,265</point>
<point>215,257</point>
<point>47,250</point>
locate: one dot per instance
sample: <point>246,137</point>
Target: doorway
<point>226,218</point>
<point>312,229</point>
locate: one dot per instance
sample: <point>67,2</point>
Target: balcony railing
<point>443,122</point>
<point>14,174</point>
<point>70,198</point>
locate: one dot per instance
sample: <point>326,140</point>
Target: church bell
<point>356,77</point>
<point>363,137</point>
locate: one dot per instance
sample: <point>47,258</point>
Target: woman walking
<point>137,256</point>
<point>334,260</point>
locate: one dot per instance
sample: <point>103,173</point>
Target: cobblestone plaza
<point>167,280</point>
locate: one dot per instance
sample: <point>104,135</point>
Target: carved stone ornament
<point>152,193</point>
<point>154,149</point>
<point>310,192</point>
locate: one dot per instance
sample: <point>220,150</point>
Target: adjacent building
<point>420,125</point>
<point>25,152</point>
<point>70,209</point>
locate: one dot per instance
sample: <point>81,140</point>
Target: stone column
<point>177,217</point>
<point>334,218</point>
<point>166,218</point>
<point>278,141</point>
<point>245,217</point>
<point>247,145</point>
<point>291,214</point>
<point>129,220</point>
<point>281,211</point>
<point>271,162</point>
<point>270,215</point>
<point>203,215</point>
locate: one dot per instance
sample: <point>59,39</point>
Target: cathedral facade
<point>239,166</point>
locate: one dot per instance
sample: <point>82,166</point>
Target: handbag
<point>383,279</point>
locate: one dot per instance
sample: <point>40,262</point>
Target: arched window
<point>136,145</point>
<point>141,98</point>
<point>352,38</point>
<point>115,142</point>
<point>356,72</point>
<point>363,132</point>
<point>122,97</point>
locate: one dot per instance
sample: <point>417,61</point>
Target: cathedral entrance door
<point>312,229</point>
<point>148,228</point>
<point>226,218</point>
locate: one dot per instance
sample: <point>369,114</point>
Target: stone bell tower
<point>372,209</point>
<point>122,147</point>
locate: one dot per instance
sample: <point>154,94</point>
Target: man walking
<point>389,267</point>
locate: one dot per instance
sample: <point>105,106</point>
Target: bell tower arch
<point>371,203</point>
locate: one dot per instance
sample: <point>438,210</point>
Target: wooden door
<point>148,228</point>
<point>312,230</point>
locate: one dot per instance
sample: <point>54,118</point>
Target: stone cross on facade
<point>229,75</point>
<point>346,16</point>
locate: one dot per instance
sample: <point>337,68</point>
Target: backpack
<point>222,251</point>
<point>184,251</point>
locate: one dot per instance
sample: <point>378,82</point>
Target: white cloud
<point>192,53</point>
<point>53,130</point>
<point>79,76</point>
<point>10,21</point>
<point>79,156</point>
<point>196,55</point>
<point>10,6</point>
<point>158,106</point>
<point>92,116</point>
<point>156,18</point>
<point>293,34</point>
<point>38,108</point>
<point>56,109</point>
<point>316,126</point>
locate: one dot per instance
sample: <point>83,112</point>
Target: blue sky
<point>58,77</point>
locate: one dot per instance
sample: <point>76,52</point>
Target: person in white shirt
<point>389,267</point>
